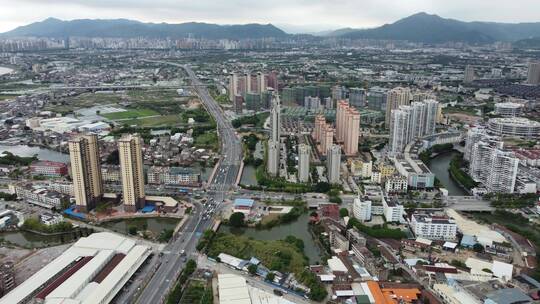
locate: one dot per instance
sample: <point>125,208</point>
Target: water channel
<point>439,166</point>
<point>32,240</point>
<point>298,228</point>
<point>42,153</point>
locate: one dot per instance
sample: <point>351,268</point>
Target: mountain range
<point>123,28</point>
<point>421,27</point>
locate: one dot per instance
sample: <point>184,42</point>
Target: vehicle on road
<point>278,292</point>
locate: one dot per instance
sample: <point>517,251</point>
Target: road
<point>172,262</point>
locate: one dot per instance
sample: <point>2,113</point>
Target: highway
<point>172,262</point>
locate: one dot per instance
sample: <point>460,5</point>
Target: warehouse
<point>93,270</point>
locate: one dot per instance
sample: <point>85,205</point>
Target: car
<point>278,292</point>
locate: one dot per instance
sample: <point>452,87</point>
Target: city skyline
<point>329,16</point>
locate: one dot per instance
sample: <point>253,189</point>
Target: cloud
<point>334,13</point>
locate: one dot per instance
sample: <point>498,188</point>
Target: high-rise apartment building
<point>394,99</point>
<point>493,167</point>
<point>131,167</point>
<point>238,104</point>
<point>272,81</point>
<point>273,142</point>
<point>352,131</point>
<point>342,108</point>
<point>86,171</point>
<point>411,122</point>
<point>333,164</point>
<point>233,86</point>
<point>347,127</point>
<point>320,121</point>
<point>327,139</point>
<point>357,97</point>
<point>468,74</point>
<point>261,82</point>
<point>303,163</point>
<point>338,93</point>
<point>533,75</point>
<point>273,158</point>
<point>247,82</point>
<point>275,121</point>
<point>399,131</point>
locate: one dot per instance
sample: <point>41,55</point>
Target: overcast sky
<point>311,15</point>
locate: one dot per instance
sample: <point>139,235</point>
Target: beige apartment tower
<point>394,99</point>
<point>86,171</point>
<point>131,165</point>
<point>352,131</point>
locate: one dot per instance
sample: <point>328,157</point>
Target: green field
<point>130,113</point>
<point>208,140</point>
<point>166,120</point>
<point>278,255</point>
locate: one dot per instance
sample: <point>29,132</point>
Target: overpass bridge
<point>468,203</point>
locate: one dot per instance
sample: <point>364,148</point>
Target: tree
<point>132,230</point>
<point>237,219</point>
<point>270,276</point>
<point>322,187</point>
<point>252,269</point>
<point>343,212</point>
<point>478,248</point>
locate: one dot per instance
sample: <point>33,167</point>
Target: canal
<point>439,166</point>
<point>298,228</point>
<point>249,173</point>
<point>42,153</point>
<point>28,239</point>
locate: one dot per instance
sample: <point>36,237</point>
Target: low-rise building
<point>49,168</point>
<point>362,209</point>
<point>173,176</point>
<point>393,211</point>
<point>396,184</point>
<point>433,227</point>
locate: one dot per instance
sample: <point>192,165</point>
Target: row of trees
<point>457,173</point>
<point>11,159</point>
<point>35,225</point>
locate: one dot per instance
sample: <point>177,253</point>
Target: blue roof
<point>69,211</point>
<point>243,202</point>
<point>148,209</point>
<point>254,261</point>
<point>468,240</point>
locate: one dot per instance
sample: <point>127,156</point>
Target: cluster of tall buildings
<point>346,132</point>
<point>252,91</point>
<point>323,134</point>
<point>86,171</point>
<point>489,164</point>
<point>409,122</point>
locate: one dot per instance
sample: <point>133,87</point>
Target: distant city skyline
<point>293,16</point>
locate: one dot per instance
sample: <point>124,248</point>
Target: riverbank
<point>439,164</point>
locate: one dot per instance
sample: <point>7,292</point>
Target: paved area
<point>37,260</point>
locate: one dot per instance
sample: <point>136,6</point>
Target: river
<point>298,228</point>
<point>31,240</point>
<point>42,153</point>
<point>439,166</point>
<point>4,70</point>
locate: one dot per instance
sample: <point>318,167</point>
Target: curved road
<point>223,181</point>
